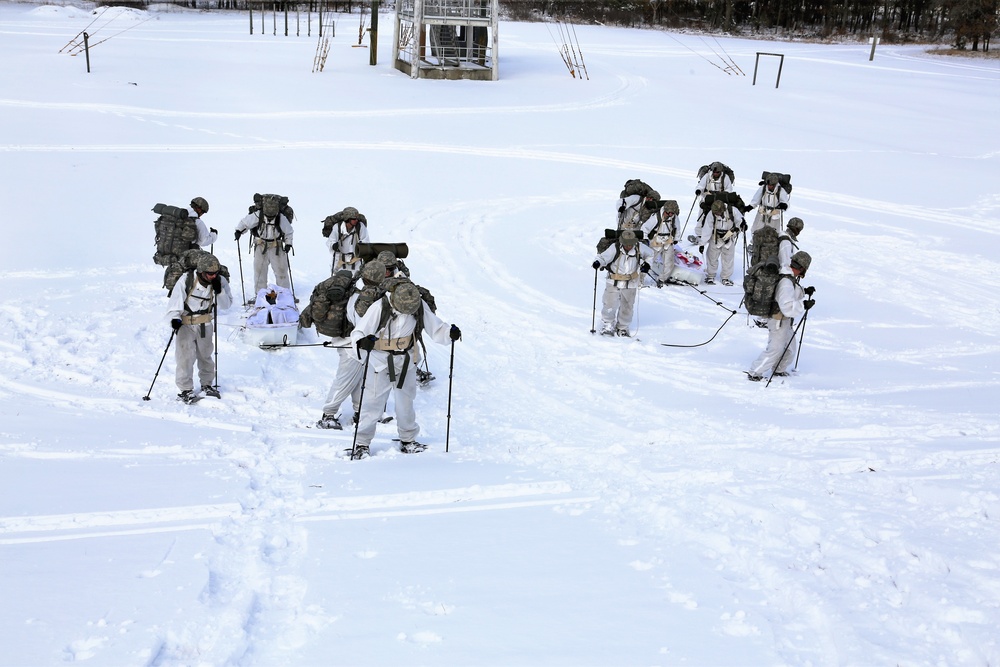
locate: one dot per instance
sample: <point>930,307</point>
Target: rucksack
<point>270,206</point>
<point>327,307</point>
<point>634,186</point>
<point>175,233</point>
<point>765,245</point>
<point>389,284</point>
<point>730,199</point>
<point>706,168</point>
<point>188,261</point>
<point>330,221</point>
<point>759,286</point>
<point>784,180</point>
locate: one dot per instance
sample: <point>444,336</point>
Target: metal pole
<point>782,356</point>
<point>239,255</point>
<point>451,375</point>
<point>593,314</point>
<point>172,334</point>
<point>361,402</point>
<point>86,49</point>
<point>215,325</point>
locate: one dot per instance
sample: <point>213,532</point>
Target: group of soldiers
<point>641,252</point>
<point>381,317</point>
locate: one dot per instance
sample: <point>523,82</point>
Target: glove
<point>747,209</point>
<point>761,183</point>
<point>743,226</point>
<point>367,343</point>
<point>176,324</point>
<point>701,249</point>
<point>697,193</point>
<point>644,268</point>
<point>596,264</point>
<point>288,247</point>
<point>809,290</point>
<point>455,333</point>
<point>213,230</point>
<point>217,284</point>
<point>809,304</point>
<point>783,206</point>
<point>239,233</point>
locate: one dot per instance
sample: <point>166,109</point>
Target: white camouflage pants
<point>193,347</point>
<point>346,383</point>
<point>780,339</point>
<point>274,257</point>
<point>712,256</point>
<point>378,386</point>
<point>618,306</point>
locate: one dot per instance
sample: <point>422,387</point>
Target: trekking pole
<point>215,325</point>
<point>638,288</point>
<point>791,338</point>
<point>801,337</point>
<point>291,283</point>
<point>172,334</point>
<point>361,403</point>
<point>593,314</point>
<point>240,257</point>
<point>451,375</point>
<point>688,216</point>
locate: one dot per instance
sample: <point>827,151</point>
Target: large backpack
<point>327,307</point>
<point>759,286</point>
<point>270,206</point>
<point>389,284</point>
<point>330,221</point>
<point>784,180</point>
<point>188,261</point>
<point>765,245</point>
<point>730,199</point>
<point>175,233</point>
<point>705,168</point>
<point>634,186</point>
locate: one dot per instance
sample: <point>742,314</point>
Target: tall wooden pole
<point>373,41</point>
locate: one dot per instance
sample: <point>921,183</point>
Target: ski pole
<point>172,334</point>
<point>291,283</point>
<point>451,375</point>
<point>801,337</point>
<point>783,352</point>
<point>593,314</point>
<point>361,403</point>
<point>215,325</point>
<point>240,257</point>
<point>688,217</point>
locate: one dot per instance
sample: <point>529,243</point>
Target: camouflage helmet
<point>801,261</point>
<point>718,207</point>
<point>795,226</point>
<point>772,179</point>
<point>350,213</point>
<point>671,206</point>
<point>373,272</point>
<point>716,166</point>
<point>387,258</point>
<point>627,238</point>
<point>200,204</point>
<point>207,264</point>
<point>405,298</point>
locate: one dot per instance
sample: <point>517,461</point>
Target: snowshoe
<point>209,390</point>
<point>623,333</point>
<point>424,377</point>
<point>753,377</point>
<point>412,447</point>
<point>189,397</point>
<point>709,281</point>
<point>727,282</point>
<point>358,453</point>
<point>607,331</point>
<point>692,238</point>
<point>329,421</point>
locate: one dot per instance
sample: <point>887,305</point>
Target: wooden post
<point>250,8</point>
<point>874,41</point>
<point>86,49</point>
<point>373,39</point>
<point>284,3</point>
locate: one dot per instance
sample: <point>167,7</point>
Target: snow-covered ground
<point>604,501</point>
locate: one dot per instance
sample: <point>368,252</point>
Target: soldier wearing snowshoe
<point>387,334</point>
<point>716,178</point>
<point>769,200</point>
<point>350,368</point>
<point>636,204</point>
<point>788,243</point>
<point>206,235</point>
<point>625,260</point>
<point>660,232</point>
<point>271,243</point>
<point>718,241</point>
<point>191,311</point>
<point>347,229</point>
<point>790,305</point>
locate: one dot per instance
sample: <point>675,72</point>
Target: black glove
<point>455,333</point>
<point>783,206</point>
<point>809,304</point>
<point>743,226</point>
<point>217,284</point>
<point>809,290</point>
<point>213,230</point>
<point>644,268</point>
<point>701,249</point>
<point>596,264</point>
<point>761,183</point>
<point>747,209</point>
<point>367,343</point>
<point>176,324</point>
<point>697,193</point>
<point>288,247</point>
<point>239,233</point>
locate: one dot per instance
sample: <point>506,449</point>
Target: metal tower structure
<point>447,39</point>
